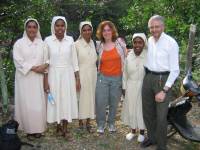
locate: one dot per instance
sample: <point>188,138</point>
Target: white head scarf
<point>55,18</point>
<point>38,32</point>
<point>82,24</point>
<point>141,35</point>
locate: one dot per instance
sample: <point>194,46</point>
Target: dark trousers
<point>155,113</point>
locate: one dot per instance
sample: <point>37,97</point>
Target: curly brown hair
<point>100,31</point>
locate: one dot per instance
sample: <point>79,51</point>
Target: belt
<point>155,72</point>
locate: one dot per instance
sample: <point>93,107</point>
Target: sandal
<point>64,128</point>
<point>88,126</point>
<point>59,130</point>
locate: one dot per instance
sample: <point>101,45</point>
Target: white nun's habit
<point>30,105</point>
<point>133,75</point>
<point>62,65</point>
<point>87,58</point>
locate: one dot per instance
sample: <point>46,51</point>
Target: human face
<point>86,32</point>
<point>31,30</point>
<point>107,33</point>
<point>138,45</point>
<point>59,28</point>
<point>156,28</point>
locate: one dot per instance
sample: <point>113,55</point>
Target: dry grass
<point>82,140</point>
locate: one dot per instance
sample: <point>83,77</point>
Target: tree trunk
<point>3,86</point>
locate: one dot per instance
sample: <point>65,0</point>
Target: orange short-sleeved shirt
<point>111,63</point>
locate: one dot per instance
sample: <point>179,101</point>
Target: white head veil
<point>38,32</point>
<point>82,24</point>
<point>142,36</point>
<point>55,18</point>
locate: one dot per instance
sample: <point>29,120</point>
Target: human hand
<point>34,68</point>
<point>160,96</point>
<point>41,68</point>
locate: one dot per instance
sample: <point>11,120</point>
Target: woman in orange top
<point>109,81</point>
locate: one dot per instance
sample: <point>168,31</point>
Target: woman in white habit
<point>62,79</point>
<point>87,58</point>
<point>30,106</point>
<point>133,75</point>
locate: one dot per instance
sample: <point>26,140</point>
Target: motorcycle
<point>179,108</point>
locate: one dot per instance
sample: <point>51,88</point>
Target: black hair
<point>61,20</point>
<point>86,25</point>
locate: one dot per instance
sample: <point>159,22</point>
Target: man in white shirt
<point>162,69</point>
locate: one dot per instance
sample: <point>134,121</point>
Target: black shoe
<point>146,143</point>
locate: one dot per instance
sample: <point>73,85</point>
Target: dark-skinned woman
<point>133,75</point>
<point>62,79</point>
<point>87,58</point>
<point>30,106</point>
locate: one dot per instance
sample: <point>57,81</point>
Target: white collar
<point>29,42</point>
<point>85,44</point>
<point>55,38</point>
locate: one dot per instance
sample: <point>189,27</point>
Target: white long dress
<point>30,105</point>
<point>132,82</point>
<point>88,75</point>
<point>62,65</point>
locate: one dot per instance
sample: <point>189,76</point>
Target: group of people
<point>86,79</point>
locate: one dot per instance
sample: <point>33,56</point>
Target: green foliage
<point>178,17</point>
<point>15,15</point>
<point>94,10</point>
<point>12,19</point>
<point>130,16</point>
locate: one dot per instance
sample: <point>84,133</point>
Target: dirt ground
<point>82,140</point>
